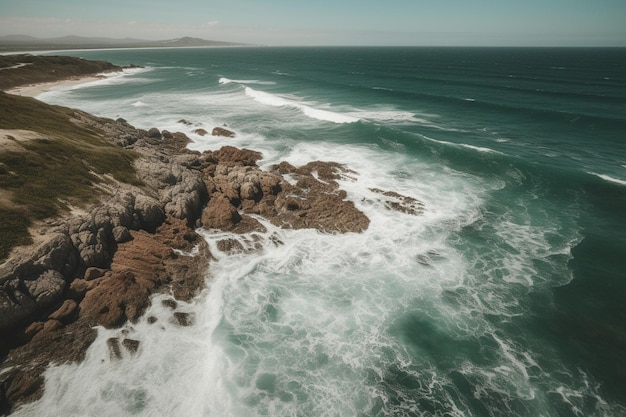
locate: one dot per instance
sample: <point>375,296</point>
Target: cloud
<point>212,23</point>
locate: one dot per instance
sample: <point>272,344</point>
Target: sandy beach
<point>33,90</point>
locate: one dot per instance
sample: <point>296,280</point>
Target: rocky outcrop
<point>398,202</point>
<point>100,266</point>
<point>311,199</point>
<point>220,131</point>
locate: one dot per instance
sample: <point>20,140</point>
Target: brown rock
<point>33,329</point>
<point>115,351</point>
<point>177,234</point>
<point>154,133</point>
<point>138,268</point>
<point>169,303</point>
<point>220,213</point>
<point>131,345</point>
<point>93,273</point>
<point>231,156</point>
<point>51,325</point>
<point>65,312</point>
<point>230,246</point>
<point>220,131</point>
<point>399,202</point>
<point>79,287</point>
<point>202,132</point>
<point>183,319</point>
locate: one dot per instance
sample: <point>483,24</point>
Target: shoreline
<point>35,89</point>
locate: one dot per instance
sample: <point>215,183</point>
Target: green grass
<point>59,167</point>
<point>46,68</point>
<point>14,229</point>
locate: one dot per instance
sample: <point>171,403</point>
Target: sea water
<point>505,297</point>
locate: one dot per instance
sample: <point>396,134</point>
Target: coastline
<point>35,89</point>
<point>101,265</point>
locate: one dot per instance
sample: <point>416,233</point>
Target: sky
<point>328,22</point>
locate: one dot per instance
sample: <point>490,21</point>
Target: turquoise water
<point>504,298</point>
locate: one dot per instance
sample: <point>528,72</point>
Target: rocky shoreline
<point>100,265</point>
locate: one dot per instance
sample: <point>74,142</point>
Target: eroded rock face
<point>238,187</point>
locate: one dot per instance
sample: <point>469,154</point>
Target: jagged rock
<point>149,211</point>
<point>115,351</point>
<point>220,131</point>
<point>315,201</point>
<point>45,289</point>
<point>183,319</point>
<point>202,132</point>
<point>220,213</point>
<point>154,133</point>
<point>230,246</point>
<point>285,168</point>
<point>231,156</point>
<point>121,234</point>
<point>131,345</point>
<point>55,253</point>
<point>137,268</point>
<point>92,247</point>
<point>401,203</point>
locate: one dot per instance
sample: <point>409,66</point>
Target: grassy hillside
<point>56,166</point>
<point>18,70</point>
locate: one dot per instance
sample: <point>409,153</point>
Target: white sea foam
<point>609,178</point>
<point>387,115</point>
<point>463,145</point>
<point>315,113</point>
<point>480,148</point>
<point>224,80</point>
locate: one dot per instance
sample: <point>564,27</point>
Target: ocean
<point>506,297</point>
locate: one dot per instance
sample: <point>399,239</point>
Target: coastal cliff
<point>99,216</point>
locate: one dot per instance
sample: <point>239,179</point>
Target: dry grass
<point>59,163</point>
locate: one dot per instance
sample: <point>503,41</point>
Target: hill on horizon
<point>26,42</point>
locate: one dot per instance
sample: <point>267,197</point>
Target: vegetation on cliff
<point>18,70</point>
<point>56,167</point>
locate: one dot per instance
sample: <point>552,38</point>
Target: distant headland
<point>11,43</point>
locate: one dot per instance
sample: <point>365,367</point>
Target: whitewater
<point>489,303</point>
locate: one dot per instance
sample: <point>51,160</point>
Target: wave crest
<point>315,113</point>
